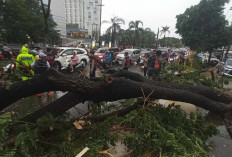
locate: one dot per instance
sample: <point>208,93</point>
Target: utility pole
<point>100,5</point>
<point>157,39</point>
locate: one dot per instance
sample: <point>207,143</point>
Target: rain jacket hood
<point>24,50</point>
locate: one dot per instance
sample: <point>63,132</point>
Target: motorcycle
<point>9,68</point>
<point>78,68</point>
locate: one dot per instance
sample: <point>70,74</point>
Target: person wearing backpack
<point>40,66</point>
<point>126,61</point>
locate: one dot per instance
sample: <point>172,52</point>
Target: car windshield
<point>229,62</point>
<point>101,50</point>
<point>124,51</point>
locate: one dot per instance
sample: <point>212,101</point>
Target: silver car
<point>227,68</point>
<point>134,55</point>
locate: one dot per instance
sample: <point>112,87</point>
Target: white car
<point>134,55</point>
<point>64,58</point>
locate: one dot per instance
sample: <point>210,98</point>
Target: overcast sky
<point>153,13</point>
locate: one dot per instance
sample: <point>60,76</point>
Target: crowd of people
<point>39,63</point>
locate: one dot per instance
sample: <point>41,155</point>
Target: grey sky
<point>153,13</point>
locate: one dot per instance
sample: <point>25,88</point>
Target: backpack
<point>40,66</point>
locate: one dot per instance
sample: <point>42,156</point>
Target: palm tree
<point>115,26</point>
<point>145,35</point>
<point>135,26</point>
<point>164,31</point>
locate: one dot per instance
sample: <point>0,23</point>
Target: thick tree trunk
<point>210,54</point>
<point>113,88</point>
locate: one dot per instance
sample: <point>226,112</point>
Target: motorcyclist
<point>25,59</point>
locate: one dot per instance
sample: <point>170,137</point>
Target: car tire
<point>57,66</point>
<point>84,63</point>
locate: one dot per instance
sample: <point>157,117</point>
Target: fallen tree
<point>117,85</point>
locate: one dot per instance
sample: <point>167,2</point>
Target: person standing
<point>151,65</point>
<point>40,66</point>
<point>145,61</point>
<point>181,59</point>
<point>74,60</point>
<point>108,58</point>
<point>25,59</point>
<point>126,61</point>
<point>50,58</point>
<point>158,67</point>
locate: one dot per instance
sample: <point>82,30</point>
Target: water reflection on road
<point>33,103</point>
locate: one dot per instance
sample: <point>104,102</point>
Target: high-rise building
<point>57,9</point>
<point>84,15</point>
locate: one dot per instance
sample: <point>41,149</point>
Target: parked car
<point>101,52</point>
<point>227,68</point>
<point>65,56</point>
<point>134,55</point>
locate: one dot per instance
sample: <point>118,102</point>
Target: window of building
<point>91,4</point>
<point>75,19</point>
<point>87,23</point>
<point>96,1</point>
<point>96,19</point>
<point>88,8</point>
<point>89,15</point>
<point>66,16</point>
<point>95,10</point>
<point>65,1</point>
<point>70,1</point>
<point>75,1</point>
<point>80,25</point>
<point>70,10</point>
<point>70,5</point>
<point>75,10</point>
<point>66,5</point>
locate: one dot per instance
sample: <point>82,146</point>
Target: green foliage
<point>203,26</point>
<point>167,131</point>
<point>157,130</point>
<point>23,19</point>
<point>191,76</point>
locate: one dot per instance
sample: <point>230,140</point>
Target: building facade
<point>85,16</point>
<point>57,9</point>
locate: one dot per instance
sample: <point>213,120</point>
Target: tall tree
<point>164,30</point>
<point>115,26</point>
<point>203,26</point>
<point>134,25</point>
<point>22,19</point>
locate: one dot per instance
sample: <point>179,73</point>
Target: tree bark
<point>108,89</point>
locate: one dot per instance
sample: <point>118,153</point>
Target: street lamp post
<point>100,5</point>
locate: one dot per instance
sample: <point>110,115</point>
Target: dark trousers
<point>145,71</point>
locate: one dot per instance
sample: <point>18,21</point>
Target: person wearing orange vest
<point>158,66</point>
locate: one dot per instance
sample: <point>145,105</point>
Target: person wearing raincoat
<point>25,59</point>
